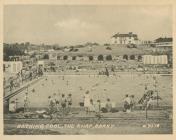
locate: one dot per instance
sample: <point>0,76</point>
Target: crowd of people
<point>96,106</point>
<point>61,103</point>
<point>121,65</point>
<point>64,104</point>
<point>14,107</point>
<point>22,77</point>
<point>129,103</point>
<point>148,99</point>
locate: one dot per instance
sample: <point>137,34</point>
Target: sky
<point>78,24</point>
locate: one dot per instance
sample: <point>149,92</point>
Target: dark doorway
<point>100,58</point>
<point>125,57</point>
<point>73,57</point>
<point>65,57</point>
<point>132,57</point>
<point>108,57</point>
<point>90,58</point>
<point>58,57</point>
<point>139,58</point>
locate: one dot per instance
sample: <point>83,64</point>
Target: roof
<point>130,34</point>
<point>169,39</point>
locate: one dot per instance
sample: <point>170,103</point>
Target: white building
<point>163,42</point>
<point>40,63</point>
<point>52,56</point>
<point>12,67</point>
<point>155,59</point>
<point>129,38</point>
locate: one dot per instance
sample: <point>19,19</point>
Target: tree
<point>12,50</point>
<point>108,48</point>
<point>106,44</point>
<point>27,44</point>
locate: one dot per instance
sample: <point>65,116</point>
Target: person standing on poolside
<point>50,106</point>
<point>127,102</point>
<point>69,101</point>
<point>108,105</point>
<point>132,103</point>
<point>63,103</point>
<point>87,101</point>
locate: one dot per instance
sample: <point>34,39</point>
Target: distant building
<point>146,42</point>
<point>129,38</point>
<point>12,67</point>
<point>52,56</point>
<point>163,42</point>
<point>51,50</point>
<point>155,59</point>
<point>40,63</point>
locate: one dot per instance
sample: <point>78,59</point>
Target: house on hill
<point>129,38</point>
<point>163,42</point>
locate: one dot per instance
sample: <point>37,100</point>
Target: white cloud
<point>75,24</point>
<point>75,31</point>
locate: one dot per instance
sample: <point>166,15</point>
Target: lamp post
<point>155,86</point>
